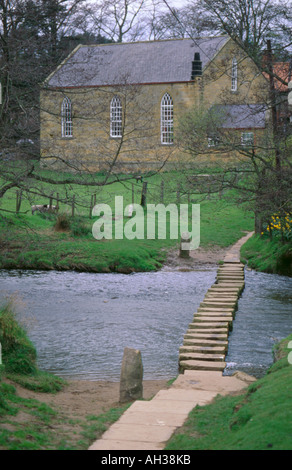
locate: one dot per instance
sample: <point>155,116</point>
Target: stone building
<point>118,107</point>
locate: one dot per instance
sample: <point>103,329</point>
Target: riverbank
<point>258,419</point>
<point>70,419</point>
<point>62,242</point>
<point>270,256</point>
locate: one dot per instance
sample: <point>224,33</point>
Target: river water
<point>80,323</point>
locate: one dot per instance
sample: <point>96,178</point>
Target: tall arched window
<point>234,75</point>
<point>116,117</point>
<point>66,116</point>
<point>166,119</point>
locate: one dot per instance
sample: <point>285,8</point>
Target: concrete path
<point>148,425</point>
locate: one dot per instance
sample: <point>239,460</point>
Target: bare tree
<point>117,19</point>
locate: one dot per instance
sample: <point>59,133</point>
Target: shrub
<point>18,353</point>
<point>62,223</point>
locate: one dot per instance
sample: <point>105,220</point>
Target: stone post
<point>184,243</point>
<point>131,380</point>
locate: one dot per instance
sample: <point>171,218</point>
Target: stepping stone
<point>211,313</point>
<point>202,349</point>
<point>217,304</point>
<point>219,288</point>
<point>221,295</point>
<point>201,357</point>
<point>206,336</point>
<point>191,364</point>
<point>198,330</point>
<point>213,324</point>
<point>235,277</point>
<point>215,310</point>
<point>205,342</point>
<point>211,318</point>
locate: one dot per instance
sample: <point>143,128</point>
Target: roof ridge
<point>154,41</point>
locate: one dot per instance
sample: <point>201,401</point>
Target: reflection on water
<point>80,323</point>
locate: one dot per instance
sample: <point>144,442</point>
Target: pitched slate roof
<point>241,116</point>
<point>165,61</point>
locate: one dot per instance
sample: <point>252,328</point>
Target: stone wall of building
<point>140,149</point>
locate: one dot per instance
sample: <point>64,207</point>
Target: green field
<point>32,241</point>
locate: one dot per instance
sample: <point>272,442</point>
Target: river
<point>80,323</point>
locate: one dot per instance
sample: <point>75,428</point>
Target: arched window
<point>234,75</point>
<point>166,119</point>
<point>116,117</point>
<point>66,116</point>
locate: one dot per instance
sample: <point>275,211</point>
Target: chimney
<point>196,66</point>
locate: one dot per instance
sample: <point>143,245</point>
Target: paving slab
<point>209,380</point>
<point>119,444</point>
<point>138,432</point>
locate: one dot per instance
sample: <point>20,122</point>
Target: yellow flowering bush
<point>280,226</point>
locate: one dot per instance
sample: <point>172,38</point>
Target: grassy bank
<point>63,242</point>
<point>30,424</point>
<point>258,419</point>
<point>271,256</point>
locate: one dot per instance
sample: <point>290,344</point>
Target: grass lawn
<point>259,419</point>
<point>30,241</point>
<point>271,256</point>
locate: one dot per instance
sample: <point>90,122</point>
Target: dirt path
<point>80,398</point>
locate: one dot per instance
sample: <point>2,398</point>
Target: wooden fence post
<point>133,194</point>
<point>144,194</point>
<point>178,192</point>
<point>73,205</point>
<point>91,206</point>
<point>161,191</point>
<point>18,200</point>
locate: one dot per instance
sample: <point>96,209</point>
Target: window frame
<point>166,119</point>
<point>66,118</point>
<point>247,139</point>
<point>116,117</point>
